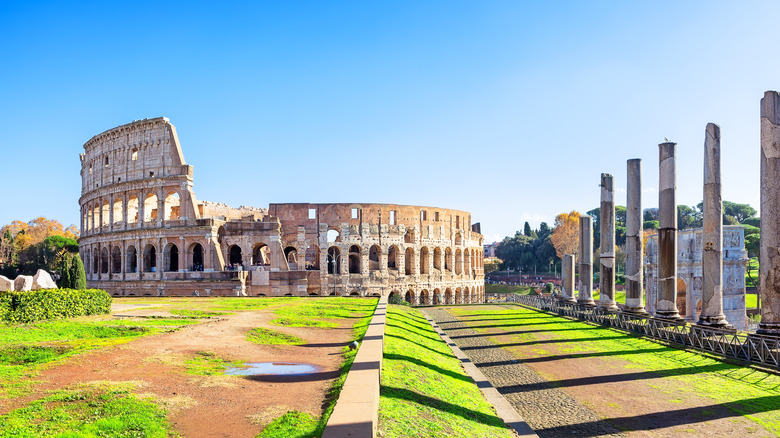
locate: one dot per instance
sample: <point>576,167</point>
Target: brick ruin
<point>144,233</point>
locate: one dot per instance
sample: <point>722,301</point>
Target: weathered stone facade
<point>143,232</point>
<point>689,274</point>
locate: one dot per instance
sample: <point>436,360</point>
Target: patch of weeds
<point>303,322</point>
<point>207,363</point>
<point>30,354</point>
<point>322,312</point>
<point>99,409</point>
<point>264,336</point>
<point>293,424</point>
<point>193,313</point>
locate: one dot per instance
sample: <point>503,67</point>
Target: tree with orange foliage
<point>23,245</point>
<point>565,235</point>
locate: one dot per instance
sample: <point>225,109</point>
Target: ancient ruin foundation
<point>143,232</point>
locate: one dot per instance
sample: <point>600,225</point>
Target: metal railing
<point>749,347</point>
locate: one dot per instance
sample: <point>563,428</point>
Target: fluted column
<point>568,279</point>
<point>666,305</point>
<point>712,234</point>
<point>634,253</point>
<point>769,268</point>
<point>585,296</point>
<point>607,244</point>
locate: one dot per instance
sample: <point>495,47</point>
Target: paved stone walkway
<point>548,410</point>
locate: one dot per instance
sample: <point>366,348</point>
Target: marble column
<point>712,234</point>
<point>567,291</point>
<point>634,253</point>
<point>585,296</point>
<point>607,245</point>
<point>769,257</point>
<point>666,304</point>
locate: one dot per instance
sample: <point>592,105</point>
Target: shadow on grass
<point>415,334</point>
<point>438,369</point>
<point>681,417</point>
<point>545,341</point>
<point>441,405</point>
<point>388,335</point>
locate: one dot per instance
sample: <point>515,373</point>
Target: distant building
<point>490,249</point>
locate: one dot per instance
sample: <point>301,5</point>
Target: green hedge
<point>39,305</point>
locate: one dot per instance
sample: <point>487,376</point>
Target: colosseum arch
<point>116,260</point>
<point>458,262</point>
<point>424,259</point>
<point>95,261</point>
<point>150,207</point>
<point>333,236</point>
<point>171,258</point>
<point>132,259</point>
<point>312,258</point>
<point>334,260</point>
<point>437,259</point>
<point>425,299</point>
<point>132,209</point>
<point>234,256</point>
<point>410,298</point>
<point>448,296</point>
<point>117,211</point>
<point>436,296</point>
<point>150,258</point>
<point>373,258</point>
<point>172,206</point>
<point>467,262</point>
<point>104,214</point>
<point>354,259</point>
<point>291,255</point>
<point>448,259</point>
<point>409,261</point>
<point>87,260</point>
<point>466,295</point>
<point>104,260</point>
<point>458,239</point>
<point>458,296</point>
<point>409,237</point>
<point>261,255</point>
<point>392,258</point>
<point>196,257</point>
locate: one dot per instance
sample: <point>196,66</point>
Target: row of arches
<point>437,296</point>
<point>105,261</point>
<point>99,214</point>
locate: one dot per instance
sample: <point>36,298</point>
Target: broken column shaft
<point>712,234</point>
<point>607,244</point>
<point>585,296</point>
<point>634,253</point>
<point>769,254</point>
<point>568,279</point>
<point>666,300</point>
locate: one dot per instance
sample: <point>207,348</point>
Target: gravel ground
<point>548,410</point>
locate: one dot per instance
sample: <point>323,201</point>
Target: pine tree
<point>78,277</point>
<point>65,282</point>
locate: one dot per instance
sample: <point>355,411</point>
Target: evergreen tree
<point>78,277</point>
<point>65,282</point>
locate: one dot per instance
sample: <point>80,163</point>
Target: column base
<point>670,316</point>
<point>768,329</point>
<point>638,311</point>
<point>718,322</point>
<point>567,300</point>
<point>587,303</point>
<point>608,307</point>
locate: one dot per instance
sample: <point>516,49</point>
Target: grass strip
<point>424,390</point>
<point>264,336</point>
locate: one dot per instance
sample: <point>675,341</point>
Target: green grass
<point>207,363</point>
<point>293,424</point>
<point>264,336</point>
<point>620,296</point>
<point>751,301</point>
<point>424,390</point>
<point>747,392</point>
<point>320,313</point>
<point>96,410</point>
<point>507,289</point>
<point>193,313</point>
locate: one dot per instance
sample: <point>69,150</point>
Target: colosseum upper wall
<point>143,232</point>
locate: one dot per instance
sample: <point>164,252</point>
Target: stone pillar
<point>634,253</point>
<point>769,268</point>
<point>585,296</point>
<point>712,234</point>
<point>607,245</point>
<point>568,279</point>
<point>666,305</point>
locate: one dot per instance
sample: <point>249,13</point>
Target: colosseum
<point>143,233</point>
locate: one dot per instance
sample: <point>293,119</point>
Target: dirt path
<point>214,406</point>
<point>640,403</point>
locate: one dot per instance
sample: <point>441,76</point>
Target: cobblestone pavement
<point>548,410</point>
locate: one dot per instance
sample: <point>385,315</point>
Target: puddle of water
<point>272,369</point>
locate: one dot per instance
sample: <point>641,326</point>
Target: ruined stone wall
<point>689,274</point>
<point>144,233</point>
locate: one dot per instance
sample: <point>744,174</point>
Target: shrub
<point>38,305</point>
<point>78,277</point>
<point>397,299</point>
<point>549,288</point>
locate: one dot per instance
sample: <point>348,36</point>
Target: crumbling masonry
<point>143,232</point>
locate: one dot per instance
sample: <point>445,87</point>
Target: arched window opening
<point>312,258</point>
<point>437,259</point>
<point>466,296</point>
<point>334,260</point>
<point>458,296</point>
<point>448,296</point>
<point>467,261</point>
<point>261,255</point>
<point>150,258</point>
<point>104,220</point>
<point>291,254</point>
<point>87,260</point>
<point>392,258</point>
<point>150,207</point>
<point>354,259</point>
<point>96,216</point>
<point>197,257</point>
<point>458,239</point>
<point>409,261</point>
<point>409,237</point>
<point>234,257</point>
<point>89,218</point>
<point>425,300</point>
<point>118,211</point>
<point>373,258</point>
<point>410,297</point>
<point>132,259</point>
<point>132,210</point>
<point>95,262</point>
<point>436,297</point>
<point>171,257</point>
<point>172,204</point>
<point>333,236</point>
<point>104,260</point>
<point>458,262</point>
<point>116,260</point>
<point>424,256</point>
<point>448,260</point>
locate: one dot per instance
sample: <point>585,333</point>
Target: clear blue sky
<point>510,110</point>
